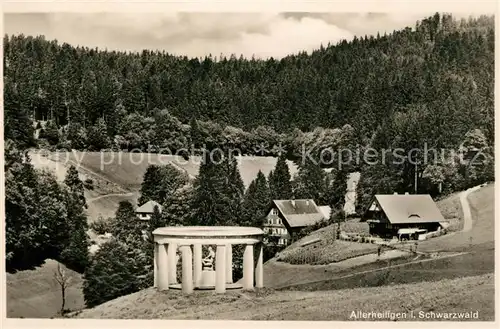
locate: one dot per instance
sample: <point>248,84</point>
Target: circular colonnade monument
<point>198,272</point>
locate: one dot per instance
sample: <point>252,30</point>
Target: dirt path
<point>110,195</point>
<point>466,208</point>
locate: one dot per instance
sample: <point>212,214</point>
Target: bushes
<point>88,184</point>
<point>102,225</point>
<point>109,275</point>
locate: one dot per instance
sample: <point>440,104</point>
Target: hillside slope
<point>117,176</point>
<point>36,294</point>
<point>458,295</point>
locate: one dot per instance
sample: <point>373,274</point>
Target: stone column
<point>229,263</point>
<point>187,269</point>
<point>259,269</point>
<point>197,264</point>
<point>172,263</point>
<point>162,267</point>
<point>155,265</point>
<point>220,269</point>
<point>248,267</point>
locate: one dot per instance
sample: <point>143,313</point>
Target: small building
<point>403,215</point>
<point>145,211</point>
<point>286,217</point>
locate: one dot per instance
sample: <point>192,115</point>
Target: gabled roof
<point>409,208</point>
<point>148,207</point>
<point>299,213</point>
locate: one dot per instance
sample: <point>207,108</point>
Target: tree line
<point>43,218</point>
<point>441,64</point>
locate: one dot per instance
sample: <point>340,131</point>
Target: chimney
<point>395,193</point>
<point>293,203</point>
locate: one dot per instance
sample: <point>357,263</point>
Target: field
<point>36,294</point>
<point>327,252</point>
<point>106,205</point>
<point>457,295</point>
<point>127,169</point>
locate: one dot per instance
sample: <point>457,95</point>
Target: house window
<point>279,221</point>
<point>144,215</point>
<point>274,211</point>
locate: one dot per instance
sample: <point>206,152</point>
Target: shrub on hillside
<point>88,184</point>
<point>102,225</point>
<point>109,275</point>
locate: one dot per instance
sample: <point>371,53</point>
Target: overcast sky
<point>199,34</point>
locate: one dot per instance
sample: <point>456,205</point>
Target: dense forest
<point>442,68</point>
<point>430,86</point>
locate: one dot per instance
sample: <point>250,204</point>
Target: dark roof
<point>409,208</point>
<point>299,213</point>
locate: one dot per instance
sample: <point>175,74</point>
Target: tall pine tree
<point>280,184</point>
<point>75,255</point>
<point>217,193</point>
<point>256,202</point>
<point>312,183</point>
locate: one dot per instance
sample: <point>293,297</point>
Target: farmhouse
<point>145,211</point>
<point>287,217</point>
<point>403,215</point>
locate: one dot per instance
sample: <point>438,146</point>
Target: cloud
<point>199,34</point>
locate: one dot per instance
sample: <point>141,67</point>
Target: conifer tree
<point>195,133</point>
<point>256,202</point>
<point>312,183</point>
<point>337,190</point>
<point>75,253</point>
<point>126,222</point>
<point>98,138</point>
<point>51,133</point>
<point>234,189</point>
<point>280,181</point>
<point>211,203</point>
<point>17,123</point>
<point>77,136</point>
<point>156,220</point>
<point>75,184</point>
